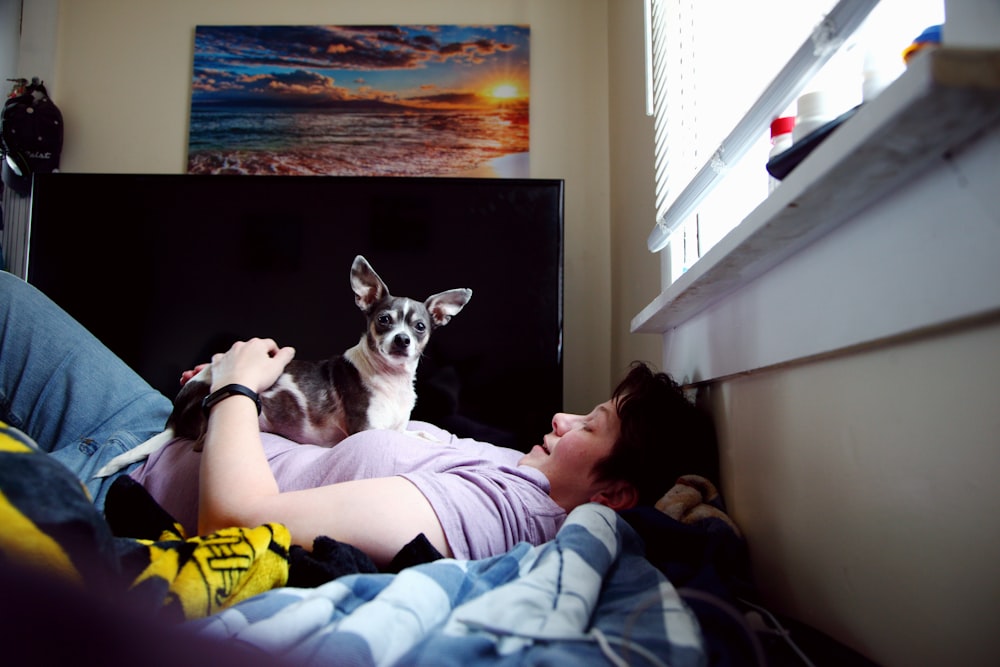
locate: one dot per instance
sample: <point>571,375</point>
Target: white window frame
<point>678,202</point>
<point>911,157</point>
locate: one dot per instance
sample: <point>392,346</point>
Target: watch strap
<point>226,392</point>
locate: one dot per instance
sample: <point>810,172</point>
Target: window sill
<point>944,99</point>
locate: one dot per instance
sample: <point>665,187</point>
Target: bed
<point>660,585</point>
<point>668,584</point>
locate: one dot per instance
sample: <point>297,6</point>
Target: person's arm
<point>378,516</point>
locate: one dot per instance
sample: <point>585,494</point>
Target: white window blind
<point>721,70</point>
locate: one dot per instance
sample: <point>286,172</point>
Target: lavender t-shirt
<point>485,501</point>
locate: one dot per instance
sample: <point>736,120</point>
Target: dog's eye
<point>420,326</point>
<point>384,320</point>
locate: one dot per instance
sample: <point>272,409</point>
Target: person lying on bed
<point>376,490</point>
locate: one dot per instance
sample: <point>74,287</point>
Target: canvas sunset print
<point>360,100</point>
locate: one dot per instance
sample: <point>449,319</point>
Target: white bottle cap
<point>814,109</point>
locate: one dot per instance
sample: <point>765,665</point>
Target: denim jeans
<point>66,390</point>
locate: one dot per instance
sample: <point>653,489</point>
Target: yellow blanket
<point>47,522</point>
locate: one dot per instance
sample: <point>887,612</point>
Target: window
<point>721,70</point>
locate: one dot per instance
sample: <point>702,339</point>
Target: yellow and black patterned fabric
<point>47,522</point>
<point>192,577</point>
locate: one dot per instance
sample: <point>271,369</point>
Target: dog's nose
<point>402,340</point>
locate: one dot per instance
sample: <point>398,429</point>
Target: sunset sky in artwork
<point>420,67</point>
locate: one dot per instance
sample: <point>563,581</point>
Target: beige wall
<point>123,74</point>
<point>635,272</point>
<point>863,470</point>
<point>866,484</point>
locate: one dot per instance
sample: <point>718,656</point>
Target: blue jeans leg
<point>66,390</point>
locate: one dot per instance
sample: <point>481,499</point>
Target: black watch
<point>226,392</point>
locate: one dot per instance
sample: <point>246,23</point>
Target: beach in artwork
<point>457,106</point>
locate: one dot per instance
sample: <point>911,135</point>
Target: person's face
<point>568,454</point>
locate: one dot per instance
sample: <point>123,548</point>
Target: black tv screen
<point>168,269</point>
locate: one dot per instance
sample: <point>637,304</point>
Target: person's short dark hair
<point>663,435</point>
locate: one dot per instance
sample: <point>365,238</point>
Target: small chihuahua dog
<point>371,385</point>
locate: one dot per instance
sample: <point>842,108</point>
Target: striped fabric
<point>587,596</point>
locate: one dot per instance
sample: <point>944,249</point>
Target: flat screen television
<point>168,269</point>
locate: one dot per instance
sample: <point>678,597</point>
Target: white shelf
<point>945,98</point>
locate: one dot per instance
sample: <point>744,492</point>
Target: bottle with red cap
<point>781,141</point>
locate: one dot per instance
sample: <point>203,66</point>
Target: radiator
<point>14,238</point>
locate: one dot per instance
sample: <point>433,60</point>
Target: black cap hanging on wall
<point>31,135</point>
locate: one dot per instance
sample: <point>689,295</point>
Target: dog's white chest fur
<point>394,411</point>
<point>392,395</point>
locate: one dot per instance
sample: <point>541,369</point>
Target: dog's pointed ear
<point>368,288</point>
<point>445,305</point>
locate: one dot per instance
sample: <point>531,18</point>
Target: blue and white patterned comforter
<point>587,597</point>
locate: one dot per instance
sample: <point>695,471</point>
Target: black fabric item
<point>31,136</point>
<point>707,556</point>
<point>328,560</point>
<point>418,551</point>
<point>710,566</point>
<point>132,512</point>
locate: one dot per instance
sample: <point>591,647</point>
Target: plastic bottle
<point>878,71</point>
<point>781,141</point>
<point>814,110</point>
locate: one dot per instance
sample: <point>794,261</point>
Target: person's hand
<point>255,363</point>
<point>187,375</point>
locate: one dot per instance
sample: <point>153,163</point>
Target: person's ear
<point>618,495</point>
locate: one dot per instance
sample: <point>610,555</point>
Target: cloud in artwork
<point>341,65</point>
<point>336,47</point>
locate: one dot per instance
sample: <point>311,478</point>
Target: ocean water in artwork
<point>374,142</point>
